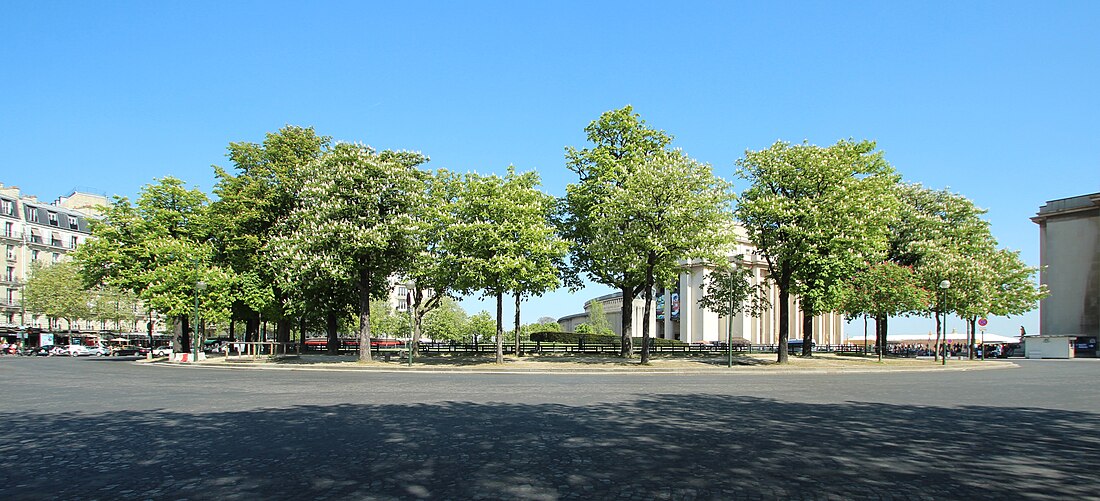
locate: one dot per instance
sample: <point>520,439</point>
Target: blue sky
<point>996,100</point>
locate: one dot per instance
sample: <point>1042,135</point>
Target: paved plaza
<point>115,429</point>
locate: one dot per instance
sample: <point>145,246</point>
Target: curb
<point>581,371</point>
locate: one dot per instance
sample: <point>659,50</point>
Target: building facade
<point>676,313</point>
<point>33,231</point>
<point>1069,257</point>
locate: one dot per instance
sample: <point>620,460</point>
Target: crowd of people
<point>954,349</point>
<point>7,348</point>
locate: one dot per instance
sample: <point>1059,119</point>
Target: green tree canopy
<point>816,215</point>
<point>502,240</point>
<point>597,319</point>
<point>883,290</point>
<point>250,204</point>
<point>481,326</point>
<point>446,322</point>
<point>159,249</point>
<point>639,210</point>
<point>57,292</point>
<point>729,290</point>
<point>620,143</point>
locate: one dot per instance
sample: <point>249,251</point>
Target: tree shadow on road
<point>653,447</point>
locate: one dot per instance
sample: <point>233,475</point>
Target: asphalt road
<point>107,429</point>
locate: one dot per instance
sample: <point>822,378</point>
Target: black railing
<point>589,348</point>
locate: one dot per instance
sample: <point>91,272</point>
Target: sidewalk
<point>762,363</point>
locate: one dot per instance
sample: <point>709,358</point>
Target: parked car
<point>1011,350</point>
<point>127,351</point>
<point>77,350</point>
<point>795,345</point>
<point>162,351</point>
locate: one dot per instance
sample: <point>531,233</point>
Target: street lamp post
<point>729,332</point>
<point>946,284</point>
<point>199,286</point>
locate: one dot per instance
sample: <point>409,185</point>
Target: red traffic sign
<point>983,322</point>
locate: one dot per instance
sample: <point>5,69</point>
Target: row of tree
<point>305,232</point>
<point>57,293</point>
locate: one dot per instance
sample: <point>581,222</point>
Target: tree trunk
<point>282,330</point>
<point>627,322</point>
<point>364,320</point>
<point>784,285</point>
<point>417,325</point>
<point>302,333</point>
<point>807,333</point>
<point>252,328</point>
<point>880,334</point>
<point>331,327</point>
<point>516,332</point>
<point>500,328</point>
<point>971,327</point>
<point>936,346</point>
<point>417,317</point>
<point>185,334</point>
<point>645,315</point>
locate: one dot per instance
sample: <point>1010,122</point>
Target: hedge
<point>574,338</point>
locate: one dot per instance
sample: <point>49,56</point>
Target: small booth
<point>1049,346</point>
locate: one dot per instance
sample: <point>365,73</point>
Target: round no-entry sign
<point>982,322</point>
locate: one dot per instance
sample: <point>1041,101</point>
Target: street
<point>100,428</point>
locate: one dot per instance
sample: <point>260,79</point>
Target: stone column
<point>708,320</point>
<point>687,307</point>
<point>670,330</point>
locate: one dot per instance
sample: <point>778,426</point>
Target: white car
<point>77,350</point>
<point>162,351</point>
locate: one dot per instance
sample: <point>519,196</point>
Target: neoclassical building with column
<point>676,313</point>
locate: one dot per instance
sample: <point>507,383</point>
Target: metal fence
<point>241,350</point>
<point>590,348</point>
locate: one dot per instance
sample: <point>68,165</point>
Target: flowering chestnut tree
<point>816,215</point>
<point>353,224</point>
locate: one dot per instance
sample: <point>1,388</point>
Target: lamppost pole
<point>410,345</point>
<point>199,286</point>
<point>729,332</point>
<point>946,284</point>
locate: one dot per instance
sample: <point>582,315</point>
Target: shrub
<point>575,337</point>
<point>555,337</point>
<point>656,341</point>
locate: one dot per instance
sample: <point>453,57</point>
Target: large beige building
<point>1069,256</point>
<point>677,314</point>
<point>33,231</point>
